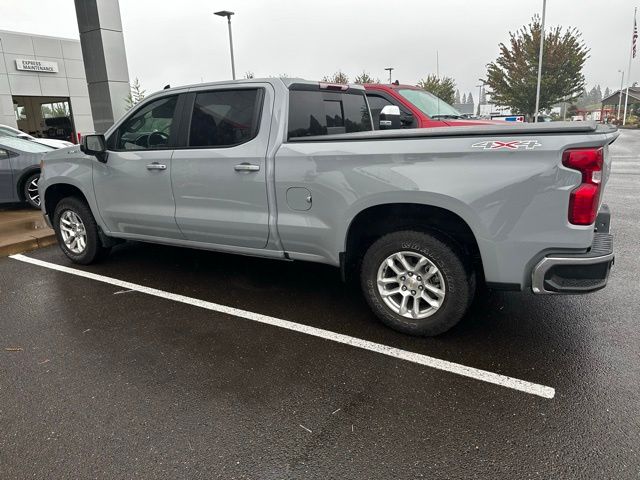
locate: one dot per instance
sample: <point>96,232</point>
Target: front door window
<point>149,128</point>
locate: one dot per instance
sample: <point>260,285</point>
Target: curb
<point>27,244</point>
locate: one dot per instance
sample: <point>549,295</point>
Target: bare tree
<point>338,77</point>
<point>136,94</point>
<point>364,77</point>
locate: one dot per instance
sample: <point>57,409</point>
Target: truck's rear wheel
<point>77,231</point>
<point>417,283</point>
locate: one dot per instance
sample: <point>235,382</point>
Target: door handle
<point>246,167</point>
<point>156,166</point>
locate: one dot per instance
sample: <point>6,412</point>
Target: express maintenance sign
<point>36,66</point>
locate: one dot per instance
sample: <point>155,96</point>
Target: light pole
<point>480,95</point>
<point>544,9</point>
<point>620,94</point>
<point>389,69</point>
<point>226,13</point>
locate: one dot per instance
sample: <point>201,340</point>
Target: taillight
<point>583,203</point>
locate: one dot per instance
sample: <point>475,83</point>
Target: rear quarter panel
<point>514,201</point>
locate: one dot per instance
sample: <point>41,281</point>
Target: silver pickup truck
<point>294,170</point>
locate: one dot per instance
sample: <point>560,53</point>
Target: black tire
<point>30,197</point>
<point>94,250</point>
<point>455,271</point>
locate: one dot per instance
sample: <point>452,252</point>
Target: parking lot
<point>144,371</point>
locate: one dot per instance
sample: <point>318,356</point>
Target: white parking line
<point>465,371</point>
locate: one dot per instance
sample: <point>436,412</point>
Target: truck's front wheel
<point>77,231</point>
<point>417,282</point>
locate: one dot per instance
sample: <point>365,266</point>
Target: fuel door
<point>299,198</point>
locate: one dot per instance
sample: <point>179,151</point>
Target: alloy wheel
<point>33,196</point>
<point>411,285</point>
<point>73,231</point>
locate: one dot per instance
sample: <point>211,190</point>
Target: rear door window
<point>225,118</point>
<point>319,112</point>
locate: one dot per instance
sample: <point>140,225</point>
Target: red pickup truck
<point>418,108</point>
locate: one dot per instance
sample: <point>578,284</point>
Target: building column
<point>105,59</point>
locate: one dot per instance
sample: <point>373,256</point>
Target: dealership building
<point>43,86</point>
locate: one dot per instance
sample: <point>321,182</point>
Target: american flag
<point>634,40</point>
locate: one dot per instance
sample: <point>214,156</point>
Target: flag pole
<point>633,42</point>
<point>535,114</point>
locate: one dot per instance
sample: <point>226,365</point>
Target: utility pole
<point>389,69</point>
<point>620,94</point>
<point>544,9</point>
<point>631,55</point>
<point>226,13</point>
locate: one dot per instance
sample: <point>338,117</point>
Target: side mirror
<point>390,117</point>
<point>406,120</point>
<point>95,145</point>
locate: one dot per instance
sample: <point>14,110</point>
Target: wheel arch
<point>56,192</point>
<point>377,220</point>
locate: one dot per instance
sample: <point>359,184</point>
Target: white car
<point>7,131</point>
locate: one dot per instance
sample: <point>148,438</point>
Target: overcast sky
<point>180,42</point>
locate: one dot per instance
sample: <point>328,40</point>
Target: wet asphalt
<point>97,382</point>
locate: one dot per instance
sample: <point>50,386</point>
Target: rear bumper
<point>578,273</point>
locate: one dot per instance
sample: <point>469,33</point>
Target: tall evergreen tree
<point>464,98</point>
<point>457,97</point>
<point>470,99</point>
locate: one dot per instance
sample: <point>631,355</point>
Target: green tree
<point>338,77</point>
<point>513,75</point>
<point>442,87</point>
<point>364,77</point>
<point>136,94</point>
<point>456,99</point>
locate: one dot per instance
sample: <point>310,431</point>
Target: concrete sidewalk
<point>22,230</point>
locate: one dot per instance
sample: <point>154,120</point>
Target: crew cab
<point>418,108</point>
<point>293,170</point>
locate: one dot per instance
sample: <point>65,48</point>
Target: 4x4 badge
<point>510,145</point>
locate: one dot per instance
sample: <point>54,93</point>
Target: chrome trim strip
<point>540,270</point>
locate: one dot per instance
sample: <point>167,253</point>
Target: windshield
<point>24,145</point>
<point>429,104</point>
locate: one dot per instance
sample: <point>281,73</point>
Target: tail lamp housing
<point>584,199</point>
